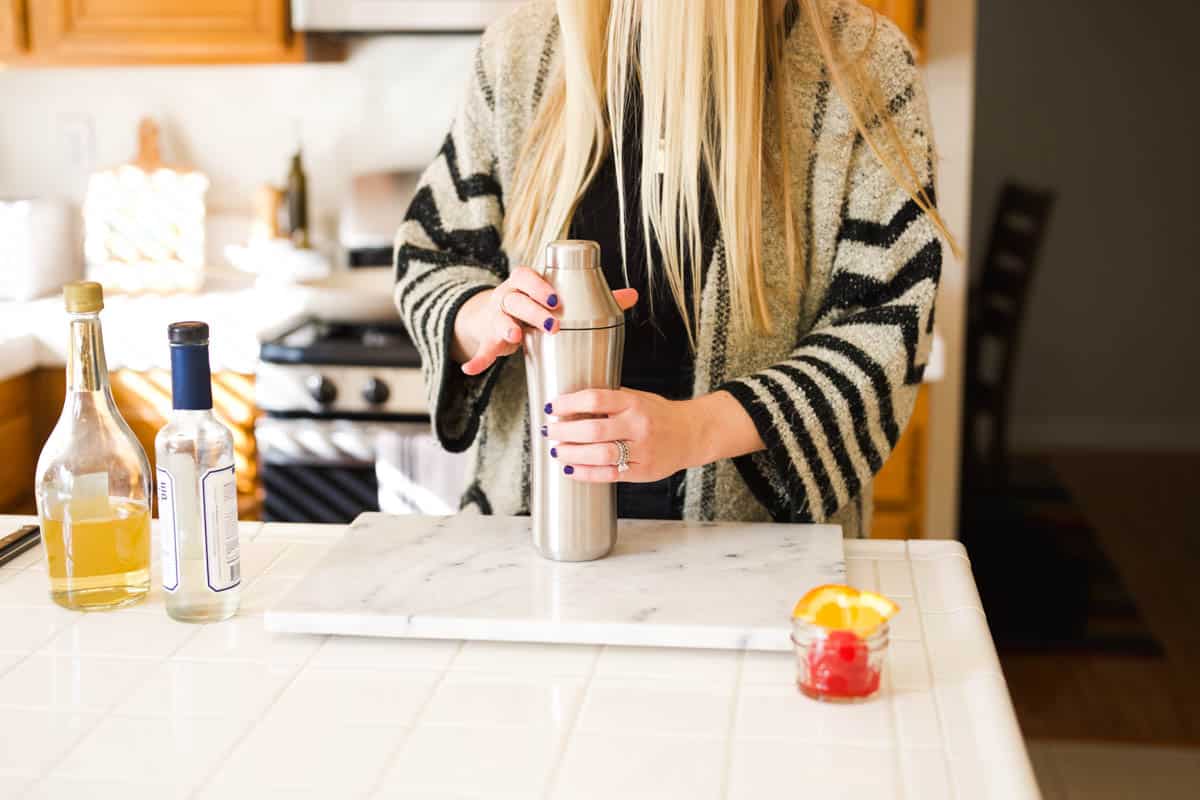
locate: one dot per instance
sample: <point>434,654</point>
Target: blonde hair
<point>703,74</point>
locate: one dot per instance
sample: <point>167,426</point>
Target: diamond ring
<point>622,456</point>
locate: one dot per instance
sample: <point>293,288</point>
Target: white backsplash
<point>387,106</point>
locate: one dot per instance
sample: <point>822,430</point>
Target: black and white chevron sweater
<point>830,390</point>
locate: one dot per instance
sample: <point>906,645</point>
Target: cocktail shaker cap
<point>573,269</point>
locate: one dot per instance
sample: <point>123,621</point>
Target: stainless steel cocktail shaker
<point>572,521</point>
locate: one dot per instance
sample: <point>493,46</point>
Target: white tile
<point>980,732</point>
<point>14,785</point>
<point>762,768</point>
<point>64,788</point>
<point>363,651</point>
<point>959,646</point>
<point>26,629</point>
<point>263,592</point>
<point>248,531</point>
<point>488,762</point>
<point>526,659</point>
<point>233,689</point>
<point>31,740</point>
<point>934,549</point>
<point>945,584</point>
<point>895,579</point>
<point>227,789</point>
<point>343,760</point>
<point>307,534</point>
<point>784,713</point>
<point>925,774</point>
<point>916,719</point>
<point>465,698</point>
<point>245,639</point>
<point>772,669</point>
<point>175,751</point>
<point>604,766</point>
<point>906,624</point>
<point>860,573</point>
<point>297,559</point>
<point>355,696</point>
<point>876,548</point>
<point>71,683</point>
<point>8,660</point>
<point>257,556</point>
<point>712,667</point>
<point>116,633</point>
<point>632,707</point>
<point>907,665</point>
<point>24,588</point>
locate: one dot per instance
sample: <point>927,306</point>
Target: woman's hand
<point>663,436</point>
<point>493,323</point>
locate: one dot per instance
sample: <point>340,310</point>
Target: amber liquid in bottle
<point>93,485</point>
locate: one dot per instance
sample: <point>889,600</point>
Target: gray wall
<point>1101,102</point>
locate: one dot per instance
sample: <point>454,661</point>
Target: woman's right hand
<point>493,323</point>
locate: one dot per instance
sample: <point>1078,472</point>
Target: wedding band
<point>622,456</point>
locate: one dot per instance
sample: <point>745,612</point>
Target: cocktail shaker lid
<point>573,269</point>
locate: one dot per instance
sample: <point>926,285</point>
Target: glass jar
<point>837,665</point>
<point>93,479</point>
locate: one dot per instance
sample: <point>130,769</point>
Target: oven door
<point>330,471</point>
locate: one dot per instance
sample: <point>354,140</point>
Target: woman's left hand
<point>663,436</point>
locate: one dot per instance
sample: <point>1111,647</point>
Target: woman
<point>778,243</point>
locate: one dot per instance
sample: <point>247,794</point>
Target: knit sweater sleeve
<point>447,250</point>
<point>831,413</point>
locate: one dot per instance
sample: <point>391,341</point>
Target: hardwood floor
<point>1142,507</point>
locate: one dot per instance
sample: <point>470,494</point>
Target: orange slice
<point>844,608</point>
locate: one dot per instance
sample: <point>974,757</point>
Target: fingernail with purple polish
<point>549,409</point>
<point>552,301</point>
<point>569,470</point>
<point>545,431</point>
<point>554,452</point>
<point>548,324</point>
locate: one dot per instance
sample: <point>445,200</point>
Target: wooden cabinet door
<point>20,449</point>
<point>900,485</point>
<point>161,31</point>
<point>12,28</point>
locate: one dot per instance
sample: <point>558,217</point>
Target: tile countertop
<point>33,334</point>
<point>131,704</point>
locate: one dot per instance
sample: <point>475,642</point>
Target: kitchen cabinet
<point>157,31</point>
<point>144,399</point>
<point>20,450</point>
<point>12,28</point>
<point>900,485</point>
<point>909,16</point>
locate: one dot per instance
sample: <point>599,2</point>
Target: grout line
<point>561,755</point>
<point>953,782</point>
<point>252,725</point>
<point>891,701</point>
<point>377,786</point>
<point>727,763</point>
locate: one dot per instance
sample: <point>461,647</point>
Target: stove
<point>346,426</point>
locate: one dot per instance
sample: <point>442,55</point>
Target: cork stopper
<point>83,297</point>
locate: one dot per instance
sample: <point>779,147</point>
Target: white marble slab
<point>667,584</point>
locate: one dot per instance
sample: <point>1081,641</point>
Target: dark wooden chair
<point>995,310</point>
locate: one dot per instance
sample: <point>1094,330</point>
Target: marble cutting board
<point>667,584</point>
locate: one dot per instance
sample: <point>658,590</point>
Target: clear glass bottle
<point>93,479</point>
<point>197,490</point>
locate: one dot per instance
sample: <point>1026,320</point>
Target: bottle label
<point>168,530</point>
<point>218,500</point>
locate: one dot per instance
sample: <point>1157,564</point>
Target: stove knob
<point>375,392</point>
<point>321,389</point>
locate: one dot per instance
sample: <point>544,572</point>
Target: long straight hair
<point>703,75</point>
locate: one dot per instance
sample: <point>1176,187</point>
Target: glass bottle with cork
<point>93,479</point>
<point>197,489</point>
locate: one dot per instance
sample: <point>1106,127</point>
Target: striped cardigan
<point>832,387</point>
